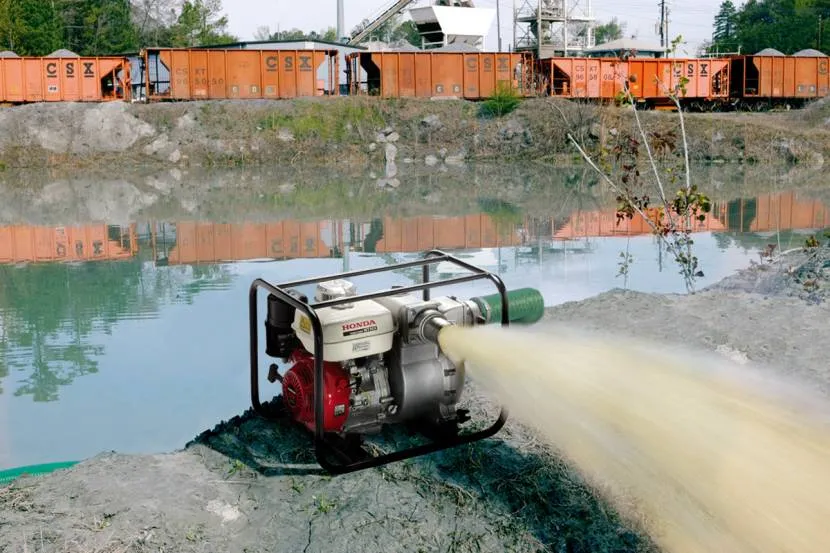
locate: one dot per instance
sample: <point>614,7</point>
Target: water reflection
<point>107,300</point>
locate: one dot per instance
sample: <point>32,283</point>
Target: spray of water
<point>700,453</point>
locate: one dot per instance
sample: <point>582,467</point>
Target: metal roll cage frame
<point>322,442</point>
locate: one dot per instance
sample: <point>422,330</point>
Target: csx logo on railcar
<point>272,63</point>
<point>69,72</point>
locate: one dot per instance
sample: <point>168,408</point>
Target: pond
<point>131,334</point>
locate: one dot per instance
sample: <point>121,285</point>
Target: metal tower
<point>553,27</point>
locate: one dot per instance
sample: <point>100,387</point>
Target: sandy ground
<point>250,485</point>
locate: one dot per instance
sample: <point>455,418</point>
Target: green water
<point>143,353</point>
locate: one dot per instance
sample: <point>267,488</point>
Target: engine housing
<point>379,364</point>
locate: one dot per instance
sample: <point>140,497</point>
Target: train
<point>744,82</point>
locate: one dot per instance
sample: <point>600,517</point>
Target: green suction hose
<point>9,476</point>
<point>524,306</point>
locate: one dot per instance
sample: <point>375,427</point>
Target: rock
<point>511,130</point>
<point>391,169</point>
<point>442,153</point>
<point>456,159</point>
<point>794,151</point>
<point>380,137</point>
<point>373,146</point>
<point>431,160</point>
<point>408,160</point>
<point>157,145</point>
<point>186,121</point>
<point>388,183</point>
<point>388,130</point>
<point>286,188</point>
<point>393,137</point>
<point>285,135</point>
<point>175,157</point>
<point>717,137</point>
<point>391,152</point>
<point>432,122</point>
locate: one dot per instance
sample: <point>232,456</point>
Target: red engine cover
<point>298,392</point>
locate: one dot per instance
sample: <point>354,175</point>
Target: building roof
<point>396,46</point>
<point>244,43</point>
<point>626,44</point>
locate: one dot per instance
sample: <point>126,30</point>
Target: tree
<point>200,24</point>
<point>725,27</point>
<point>96,27</point>
<point>613,30</point>
<point>786,25</point>
<point>30,27</point>
<point>392,30</point>
<point>264,33</point>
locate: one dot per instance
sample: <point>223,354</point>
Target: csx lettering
<point>305,63</point>
<point>70,70</point>
<point>703,69</point>
<point>472,64</point>
<point>488,64</point>
<point>51,69</point>
<point>503,63</point>
<point>271,63</point>
<point>289,63</point>
<point>822,67</point>
<point>359,324</point>
<point>88,72</point>
<point>690,69</point>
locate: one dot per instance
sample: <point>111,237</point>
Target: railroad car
<point>472,76</point>
<point>63,79</point>
<point>762,81</point>
<point>649,80</point>
<point>211,74</point>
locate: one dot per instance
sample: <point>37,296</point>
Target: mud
<point>251,485</point>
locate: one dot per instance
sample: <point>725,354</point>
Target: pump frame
<point>327,442</point>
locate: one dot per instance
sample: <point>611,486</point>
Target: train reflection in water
<point>194,242</point>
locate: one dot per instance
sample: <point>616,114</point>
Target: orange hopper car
<point>472,76</point>
<point>204,74</point>
<point>648,79</point>
<point>770,78</point>
<point>75,79</point>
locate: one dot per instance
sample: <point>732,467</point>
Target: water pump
<point>359,362</point>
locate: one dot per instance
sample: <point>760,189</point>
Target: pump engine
<point>377,356</point>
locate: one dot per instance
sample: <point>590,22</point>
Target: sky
<point>692,20</point>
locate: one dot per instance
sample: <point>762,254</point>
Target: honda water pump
<point>356,362</point>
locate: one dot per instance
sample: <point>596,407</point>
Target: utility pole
<point>498,22</point>
<point>663,37</point>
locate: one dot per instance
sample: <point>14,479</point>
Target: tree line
<point>101,27</point>
<point>786,25</point>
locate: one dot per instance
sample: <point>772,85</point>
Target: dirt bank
<point>250,485</point>
<point>358,133</point>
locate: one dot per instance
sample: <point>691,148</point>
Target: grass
<point>503,102</point>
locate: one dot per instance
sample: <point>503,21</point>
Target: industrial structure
<point>551,28</point>
<point>440,24</point>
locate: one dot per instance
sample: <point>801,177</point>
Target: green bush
<point>502,102</point>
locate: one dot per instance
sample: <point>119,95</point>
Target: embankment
<point>353,134</point>
<point>249,485</point>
